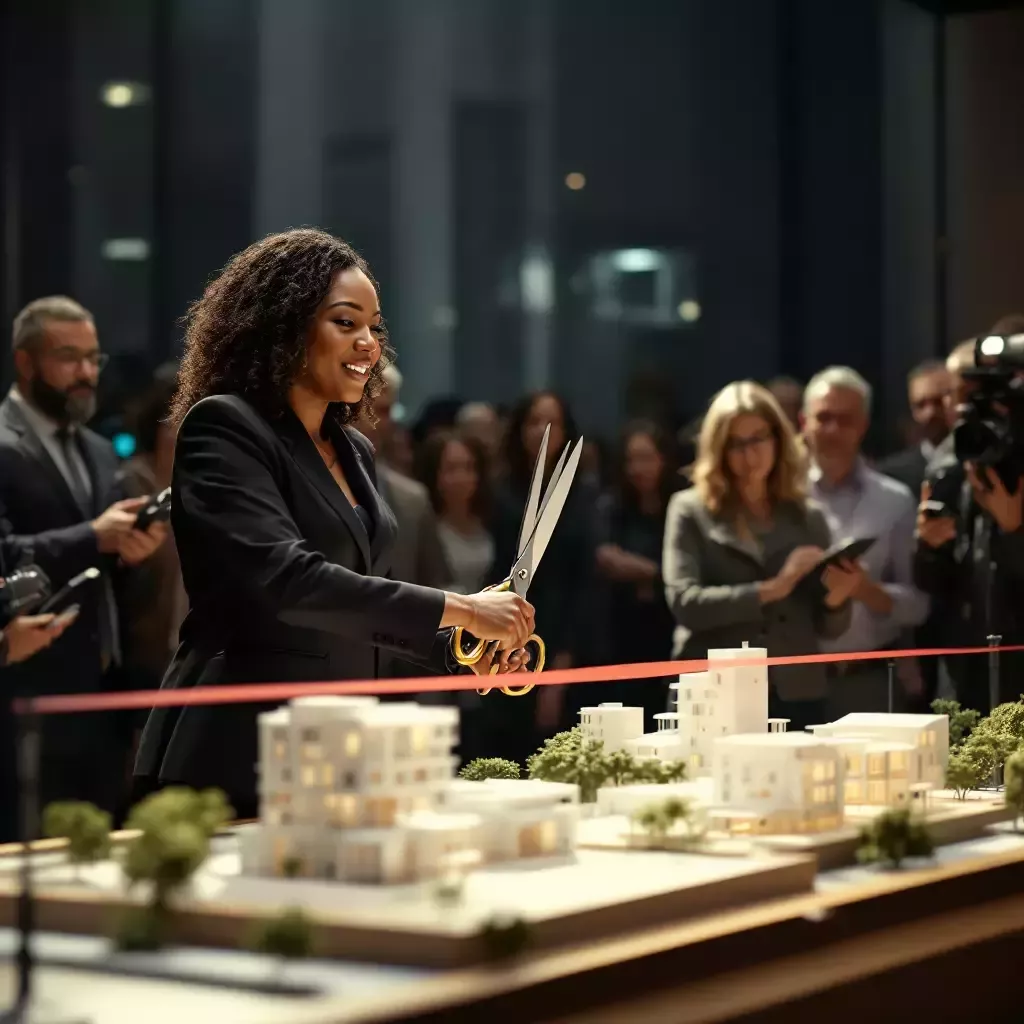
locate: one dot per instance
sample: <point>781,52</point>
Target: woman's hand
<point>842,581</point>
<point>491,615</point>
<point>29,634</point>
<point>514,660</point>
<point>800,562</point>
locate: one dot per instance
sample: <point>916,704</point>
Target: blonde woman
<point>741,543</point>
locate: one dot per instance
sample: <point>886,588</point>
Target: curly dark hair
<point>428,466</point>
<point>247,334</point>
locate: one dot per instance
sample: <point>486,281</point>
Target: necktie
<point>79,490</point>
<point>110,647</point>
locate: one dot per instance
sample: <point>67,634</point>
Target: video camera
<point>989,431</point>
<point>22,592</point>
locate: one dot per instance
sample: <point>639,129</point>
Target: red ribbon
<point>253,693</point>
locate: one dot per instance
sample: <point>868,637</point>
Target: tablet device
<point>846,550</point>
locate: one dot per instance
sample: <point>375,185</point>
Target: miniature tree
<point>86,828</point>
<point>291,867</point>
<point>565,757</point>
<point>288,936</point>
<point>175,827</point>
<point>505,937</point>
<point>1013,778</point>
<point>483,768</point>
<point>661,819</point>
<point>892,837</point>
<point>961,720</point>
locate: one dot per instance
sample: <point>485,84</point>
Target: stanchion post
<point>994,641</point>
<point>27,725</point>
<point>892,683</point>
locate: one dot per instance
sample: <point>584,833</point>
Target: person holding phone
<point>740,543</point>
<point>284,540</point>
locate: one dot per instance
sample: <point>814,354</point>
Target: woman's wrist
<point>458,611</point>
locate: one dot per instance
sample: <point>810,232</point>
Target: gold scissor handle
<point>538,666</point>
<point>469,658</point>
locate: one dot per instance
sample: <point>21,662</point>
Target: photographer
<point>969,553</point>
<point>27,635</point>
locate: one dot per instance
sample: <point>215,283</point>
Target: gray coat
<point>711,583</point>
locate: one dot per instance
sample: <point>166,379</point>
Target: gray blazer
<point>711,583</point>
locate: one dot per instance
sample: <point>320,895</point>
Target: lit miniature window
<point>922,739</point>
<point>330,800</point>
<point>420,736</point>
<point>280,750</point>
<point>375,778</point>
<point>820,794</point>
<point>308,775</point>
<point>931,739</point>
<point>876,792</point>
<point>854,764</point>
<point>312,752</point>
<point>310,735</point>
<point>353,744</point>
<point>876,764</point>
<point>853,792</point>
<point>820,771</point>
<point>695,761</point>
<point>548,836</point>
<point>327,773</point>
<point>348,809</point>
<point>898,761</point>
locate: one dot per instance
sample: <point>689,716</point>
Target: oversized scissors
<point>539,519</point>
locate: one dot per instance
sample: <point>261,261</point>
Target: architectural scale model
<point>359,791</point>
<point>724,701</point>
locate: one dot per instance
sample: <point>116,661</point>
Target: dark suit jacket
<point>907,466</point>
<point>44,524</point>
<point>711,582</point>
<point>283,583</point>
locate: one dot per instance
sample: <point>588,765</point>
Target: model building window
<point>421,775</point>
<point>854,764</point>
<point>309,775</point>
<point>312,752</point>
<point>327,773</point>
<point>353,744</point>
<point>286,775</point>
<point>821,773</point>
<point>420,738</point>
<point>280,750</point>
<point>876,792</point>
<point>876,764</point>
<point>853,792</point>
<point>349,781</point>
<point>310,735</point>
<point>348,809</point>
<point>898,762</point>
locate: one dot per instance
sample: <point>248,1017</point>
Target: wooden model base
<point>596,894</point>
<point>949,821</point>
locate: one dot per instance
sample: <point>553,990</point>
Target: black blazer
<point>907,466</point>
<point>283,583</point>
<point>41,522</point>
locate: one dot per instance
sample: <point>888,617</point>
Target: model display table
<point>867,921</point>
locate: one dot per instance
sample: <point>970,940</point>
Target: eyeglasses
<point>741,444</point>
<point>72,357</point>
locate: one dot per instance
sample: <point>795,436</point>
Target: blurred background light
<point>575,181</point>
<point>636,261</point>
<point>689,310</point>
<point>129,249</point>
<point>123,94</point>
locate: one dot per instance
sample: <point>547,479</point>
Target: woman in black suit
<point>283,539</point>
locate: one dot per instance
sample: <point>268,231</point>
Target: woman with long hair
<point>740,544</point>
<point>453,467</point>
<point>632,530</point>
<point>283,538</point>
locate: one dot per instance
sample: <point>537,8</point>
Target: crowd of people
<point>655,555</point>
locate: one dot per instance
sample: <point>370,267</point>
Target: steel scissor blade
<point>554,502</point>
<point>529,523</point>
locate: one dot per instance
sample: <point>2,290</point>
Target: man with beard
<point>61,509</point>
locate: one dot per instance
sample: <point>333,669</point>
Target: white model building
<point>876,773</point>
<point>924,738</point>
<point>612,724</point>
<point>360,791</point>
<point>724,701</point>
<point>781,782</point>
